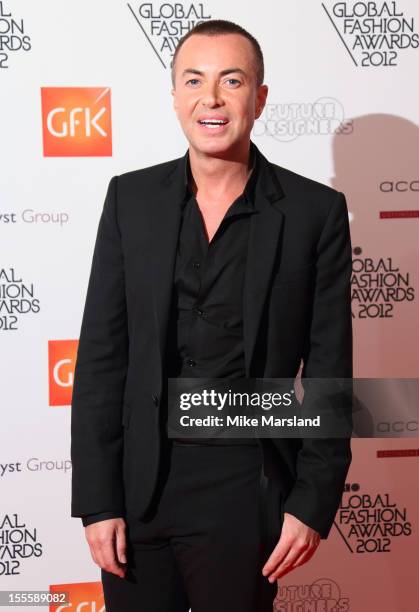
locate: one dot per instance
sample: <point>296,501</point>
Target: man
<point>217,264</point>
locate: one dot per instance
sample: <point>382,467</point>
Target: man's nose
<point>212,95</point>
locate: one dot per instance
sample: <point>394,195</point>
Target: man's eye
<point>235,80</point>
<point>190,81</point>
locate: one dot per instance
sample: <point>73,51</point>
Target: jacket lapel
<point>264,237</point>
<point>265,230</point>
<point>164,229</point>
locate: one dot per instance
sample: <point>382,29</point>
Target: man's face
<point>215,79</point>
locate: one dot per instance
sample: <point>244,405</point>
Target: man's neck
<point>215,178</point>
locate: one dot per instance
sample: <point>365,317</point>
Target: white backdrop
<point>336,112</point>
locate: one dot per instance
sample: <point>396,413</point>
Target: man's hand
<point>296,546</point>
<point>108,545</point>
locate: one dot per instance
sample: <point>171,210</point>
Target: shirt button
<point>190,362</point>
<point>199,311</point>
<point>155,400</point>
<point>196,264</point>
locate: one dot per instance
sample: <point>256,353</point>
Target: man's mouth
<point>212,123</point>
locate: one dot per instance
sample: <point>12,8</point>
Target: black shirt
<point>205,337</point>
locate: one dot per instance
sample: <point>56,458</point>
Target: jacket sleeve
<point>99,376</point>
<point>323,463</point>
<point>89,519</point>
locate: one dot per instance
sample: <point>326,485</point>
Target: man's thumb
<point>121,546</point>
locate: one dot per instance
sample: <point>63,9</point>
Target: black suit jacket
<point>296,307</point>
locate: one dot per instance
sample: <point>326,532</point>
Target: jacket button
<point>155,400</point>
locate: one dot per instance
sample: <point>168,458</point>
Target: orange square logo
<point>62,356</point>
<point>76,121</point>
<point>85,596</point>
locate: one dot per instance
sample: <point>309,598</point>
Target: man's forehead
<point>232,49</point>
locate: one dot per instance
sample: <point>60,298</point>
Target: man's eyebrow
<point>222,72</point>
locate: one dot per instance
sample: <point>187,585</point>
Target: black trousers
<point>214,521</point>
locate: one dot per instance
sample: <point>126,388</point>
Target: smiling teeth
<point>213,122</point>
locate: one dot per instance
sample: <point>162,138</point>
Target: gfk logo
<point>76,121</point>
<point>82,597</point>
<point>61,363</point>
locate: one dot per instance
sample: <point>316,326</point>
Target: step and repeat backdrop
<point>85,94</point>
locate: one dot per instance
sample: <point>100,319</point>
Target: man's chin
<point>214,148</point>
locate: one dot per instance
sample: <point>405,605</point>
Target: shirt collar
<point>249,189</point>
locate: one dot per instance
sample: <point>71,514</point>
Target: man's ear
<point>172,91</point>
<point>261,100</point>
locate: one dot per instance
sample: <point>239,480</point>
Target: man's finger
<point>305,556</point>
<point>106,554</point>
<point>121,545</point>
<point>93,554</point>
<point>287,563</point>
<point>277,555</point>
